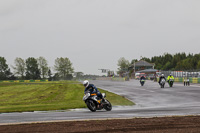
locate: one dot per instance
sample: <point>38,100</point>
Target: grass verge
<point>18,97</point>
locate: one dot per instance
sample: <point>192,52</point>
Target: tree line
<point>36,68</point>
<point>176,62</point>
<point>166,62</point>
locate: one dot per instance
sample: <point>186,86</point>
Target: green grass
<point>22,97</point>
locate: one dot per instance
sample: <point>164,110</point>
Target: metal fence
<point>190,73</point>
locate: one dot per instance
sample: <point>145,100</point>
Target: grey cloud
<point>98,32</point>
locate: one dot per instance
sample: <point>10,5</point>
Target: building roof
<point>147,71</point>
<point>143,63</point>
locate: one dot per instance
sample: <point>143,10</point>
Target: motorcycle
<point>95,103</point>
<point>171,81</point>
<point>142,82</point>
<point>162,83</point>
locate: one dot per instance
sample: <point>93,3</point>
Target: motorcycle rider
<point>142,78</point>
<point>170,77</point>
<point>161,77</point>
<point>93,90</point>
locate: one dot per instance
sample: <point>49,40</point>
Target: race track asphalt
<point>150,99</point>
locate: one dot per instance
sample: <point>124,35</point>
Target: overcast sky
<point>94,34</point>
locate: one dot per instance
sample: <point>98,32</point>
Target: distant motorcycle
<point>94,103</point>
<point>142,82</point>
<point>170,82</point>
<point>162,83</point>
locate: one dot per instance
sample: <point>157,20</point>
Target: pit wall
<point>20,81</point>
<point>112,78</point>
<point>192,80</point>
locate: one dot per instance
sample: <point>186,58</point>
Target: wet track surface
<point>150,99</point>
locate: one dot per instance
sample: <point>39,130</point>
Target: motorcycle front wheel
<point>171,84</point>
<point>162,85</point>
<point>91,106</point>
<point>107,105</point>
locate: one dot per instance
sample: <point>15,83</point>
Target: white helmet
<point>162,75</point>
<point>86,83</point>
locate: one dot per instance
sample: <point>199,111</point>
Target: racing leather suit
<point>161,79</point>
<point>93,90</point>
